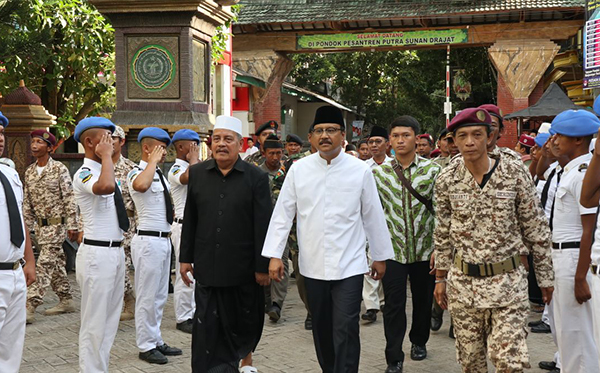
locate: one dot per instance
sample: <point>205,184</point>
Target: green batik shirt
<point>411,225</point>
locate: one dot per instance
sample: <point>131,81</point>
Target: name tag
<point>460,197</point>
<point>505,194</point>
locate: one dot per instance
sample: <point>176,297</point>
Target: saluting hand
<point>184,269</point>
<point>193,156</point>
<point>156,155</point>
<point>104,149</point>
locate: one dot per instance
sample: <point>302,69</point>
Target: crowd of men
<point>473,228</point>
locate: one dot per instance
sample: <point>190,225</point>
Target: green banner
<point>383,39</point>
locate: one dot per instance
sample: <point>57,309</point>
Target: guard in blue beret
<point>186,143</point>
<point>100,257</point>
<point>572,225</point>
<point>541,138</point>
<point>151,245</point>
<point>486,209</point>
<point>3,120</point>
<point>92,122</point>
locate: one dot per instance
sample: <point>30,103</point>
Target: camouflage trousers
<point>50,271</point>
<point>128,263</point>
<point>499,331</point>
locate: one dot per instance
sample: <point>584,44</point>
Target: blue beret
<point>575,123</point>
<point>186,134</point>
<point>541,139</point>
<point>92,122</point>
<point>470,117</point>
<point>155,133</point>
<point>3,120</point>
<point>597,105</point>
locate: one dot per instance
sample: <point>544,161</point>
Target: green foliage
<point>64,50</point>
<point>384,85</point>
<point>219,40</point>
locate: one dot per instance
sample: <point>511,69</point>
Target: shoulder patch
<point>133,172</point>
<point>175,169</point>
<point>85,175</point>
<point>582,167</point>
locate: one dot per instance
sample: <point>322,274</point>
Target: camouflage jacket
<point>489,225</point>
<point>258,159</point>
<point>276,179</point>
<point>49,196</point>
<point>122,169</point>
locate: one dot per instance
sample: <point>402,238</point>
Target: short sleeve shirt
<point>8,251</point>
<point>151,205</point>
<point>178,190</point>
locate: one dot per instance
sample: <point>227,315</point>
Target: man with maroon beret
<point>49,209</point>
<point>524,146</point>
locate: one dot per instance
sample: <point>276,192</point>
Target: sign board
<point>357,129</point>
<point>591,45</point>
<point>383,39</point>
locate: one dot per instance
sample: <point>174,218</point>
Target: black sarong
<point>228,324</point>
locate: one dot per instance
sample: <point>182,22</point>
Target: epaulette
<point>582,167</point>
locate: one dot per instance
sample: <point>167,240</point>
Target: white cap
<point>544,128</point>
<point>229,123</point>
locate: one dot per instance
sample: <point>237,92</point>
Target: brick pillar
<point>269,107</point>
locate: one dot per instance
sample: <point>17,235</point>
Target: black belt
<point>565,245</point>
<point>177,220</point>
<point>102,243</point>
<point>594,268</point>
<point>154,233</point>
<point>10,266</point>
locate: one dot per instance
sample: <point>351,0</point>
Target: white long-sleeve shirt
<point>338,210</point>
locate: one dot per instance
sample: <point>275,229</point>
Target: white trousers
<point>596,305</point>
<point>372,290</point>
<point>152,261</point>
<point>183,296</point>
<point>13,298</point>
<point>100,275</point>
<point>548,316</point>
<point>573,321</point>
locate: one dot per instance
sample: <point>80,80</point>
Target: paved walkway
<point>51,345</point>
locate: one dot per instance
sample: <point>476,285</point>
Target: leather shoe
<point>534,323</point>
<point>308,322</point>
<point>274,312</point>
<point>186,326</point>
<point>394,367</point>
<point>153,357</point>
<point>542,328</point>
<point>436,323</point>
<point>165,349</point>
<point>547,365</point>
<point>370,316</point>
<point>418,352</point>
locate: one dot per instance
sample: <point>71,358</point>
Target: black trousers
<point>394,313</point>
<point>335,308</point>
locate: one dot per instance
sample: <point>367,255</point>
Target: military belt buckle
<point>472,269</point>
<point>16,265</point>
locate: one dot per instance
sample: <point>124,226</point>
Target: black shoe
<point>153,357</point>
<point>308,322</point>
<point>165,349</point>
<point>555,370</point>
<point>418,352</point>
<point>370,316</point>
<point>171,288</point>
<point>436,323</point>
<point>274,312</point>
<point>542,328</point>
<point>547,365</point>
<point>451,332</point>
<point>394,368</point>
<point>534,323</point>
<point>186,326</point>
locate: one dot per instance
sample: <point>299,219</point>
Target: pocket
<point>156,187</point>
<point>561,196</point>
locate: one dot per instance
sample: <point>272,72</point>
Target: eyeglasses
<point>330,131</point>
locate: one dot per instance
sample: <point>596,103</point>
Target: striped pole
<point>447,108</point>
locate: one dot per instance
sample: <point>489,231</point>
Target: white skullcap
<point>544,128</point>
<point>229,123</point>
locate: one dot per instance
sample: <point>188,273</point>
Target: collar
<point>415,162</point>
<point>574,163</point>
<point>339,158</point>
<point>92,164</point>
<point>239,164</point>
<point>181,162</point>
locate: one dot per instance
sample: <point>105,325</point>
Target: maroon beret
<point>493,110</point>
<point>44,135</point>
<point>470,117</point>
<point>527,141</point>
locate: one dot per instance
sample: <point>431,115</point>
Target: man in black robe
<point>224,226</point>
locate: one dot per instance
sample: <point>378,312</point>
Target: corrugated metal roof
<point>299,11</point>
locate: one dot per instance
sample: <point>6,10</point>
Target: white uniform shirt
<point>338,209</point>
<point>98,213</point>
<point>8,251</point>
<point>596,245</point>
<point>551,189</point>
<point>178,190</point>
<point>371,162</point>
<point>150,206</point>
<point>567,209</point>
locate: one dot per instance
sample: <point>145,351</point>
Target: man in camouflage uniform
<point>122,168</point>
<point>487,209</point>
<point>49,207</point>
<point>276,292</point>
<point>262,133</point>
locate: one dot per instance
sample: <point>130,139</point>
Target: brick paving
<point>51,344</point>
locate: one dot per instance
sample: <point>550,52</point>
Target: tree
<point>64,50</point>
